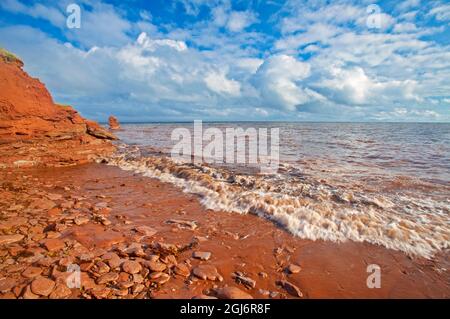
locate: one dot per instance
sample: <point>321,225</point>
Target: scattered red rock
<point>290,288</point>
<point>243,279</point>
<point>155,265</point>
<point>28,294</point>
<point>145,230</point>
<point>32,272</point>
<point>111,276</point>
<point>159,278</point>
<point>6,284</point>
<point>9,239</point>
<point>42,286</point>
<point>61,292</point>
<point>202,255</point>
<point>131,267</point>
<point>293,269</point>
<point>182,270</point>
<point>186,224</point>
<point>54,244</point>
<point>207,272</point>
<point>112,259</point>
<point>81,220</point>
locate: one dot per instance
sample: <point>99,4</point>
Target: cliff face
<point>34,131</point>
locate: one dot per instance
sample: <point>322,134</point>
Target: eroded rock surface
<point>113,123</point>
<point>35,131</point>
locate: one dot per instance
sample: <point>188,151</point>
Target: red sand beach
<point>81,214</point>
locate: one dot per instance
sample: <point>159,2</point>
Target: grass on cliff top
<point>10,57</point>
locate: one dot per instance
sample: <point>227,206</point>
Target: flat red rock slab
<point>54,244</point>
<point>42,286</point>
<point>6,284</point>
<point>94,235</point>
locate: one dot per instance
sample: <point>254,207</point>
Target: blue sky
<point>224,60</point>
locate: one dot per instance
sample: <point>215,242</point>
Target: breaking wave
<point>307,207</point>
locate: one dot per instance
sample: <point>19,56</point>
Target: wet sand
<point>244,243</point>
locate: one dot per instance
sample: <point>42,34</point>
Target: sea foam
<point>306,207</point>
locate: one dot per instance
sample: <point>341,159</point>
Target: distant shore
<point>168,246</point>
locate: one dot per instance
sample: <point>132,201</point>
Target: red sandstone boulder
<point>34,131</point>
<point>113,123</point>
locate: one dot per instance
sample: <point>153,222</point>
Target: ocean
<point>382,183</point>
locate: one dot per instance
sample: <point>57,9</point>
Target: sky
<point>223,60</point>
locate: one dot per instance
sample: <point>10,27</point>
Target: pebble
<point>166,248</point>
<point>42,286</point>
<point>155,275</point>
<point>112,259</point>
<point>192,225</point>
<point>46,261</point>
<point>293,269</point>
<point>207,272</point>
<point>182,270</point>
<point>53,234</point>
<point>28,294</point>
<point>100,293</point>
<point>66,261</point>
<point>61,291</point>
<point>134,250</point>
<point>145,230</point>
<point>102,268</point>
<point>138,278</point>
<point>152,257</point>
<point>137,288</point>
<point>161,279</point>
<point>106,222</point>
<point>126,284</point>
<point>246,281</point>
<point>123,276</point>
<point>43,203</point>
<point>53,245</point>
<point>263,274</point>
<point>154,265</point>
<point>232,293</point>
<point>202,255</point>
<point>86,257</point>
<point>120,292</point>
<point>131,267</point>
<point>81,220</point>
<point>264,292</point>
<point>274,294</point>
<point>9,239</point>
<point>170,260</point>
<point>290,288</point>
<point>6,284</point>
<point>32,272</point>
<point>111,276</point>
<point>86,266</point>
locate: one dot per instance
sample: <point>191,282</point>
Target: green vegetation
<point>8,56</point>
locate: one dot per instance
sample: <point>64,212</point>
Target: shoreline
<point>255,247</point>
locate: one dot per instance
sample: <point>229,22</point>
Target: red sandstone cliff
<point>34,131</point>
<point>113,123</point>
